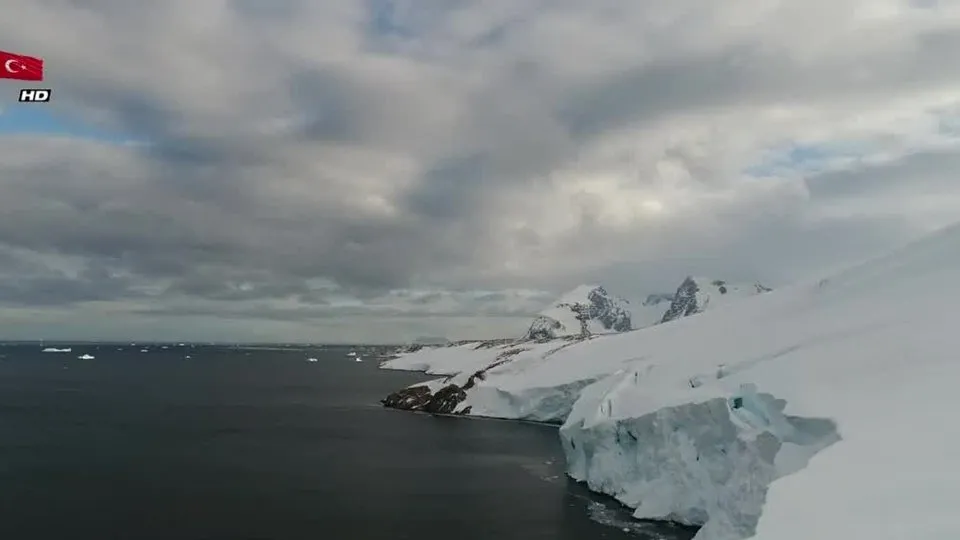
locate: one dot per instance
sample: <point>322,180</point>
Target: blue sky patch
<point>383,19</point>
<point>950,125</point>
<point>805,158</point>
<point>41,119</point>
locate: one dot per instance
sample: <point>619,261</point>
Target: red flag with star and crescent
<point>20,67</point>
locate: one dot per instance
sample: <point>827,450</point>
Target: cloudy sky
<point>349,170</point>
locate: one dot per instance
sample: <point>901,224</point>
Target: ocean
<point>233,443</point>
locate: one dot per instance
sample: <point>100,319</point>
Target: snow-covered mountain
<point>697,294</point>
<point>602,313</point>
<point>650,310</point>
<point>606,314</point>
<point>820,410</point>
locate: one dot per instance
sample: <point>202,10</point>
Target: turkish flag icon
<point>20,67</point>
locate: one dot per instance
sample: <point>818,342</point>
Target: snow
<point>469,357</point>
<point>56,350</point>
<point>650,310</point>
<point>698,294</point>
<point>443,360</point>
<point>607,314</point>
<point>821,411</point>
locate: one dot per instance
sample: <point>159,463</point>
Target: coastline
<point>751,418</point>
<point>600,504</point>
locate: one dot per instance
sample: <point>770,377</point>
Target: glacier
<point>819,410</point>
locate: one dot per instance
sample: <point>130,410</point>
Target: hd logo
<point>35,95</point>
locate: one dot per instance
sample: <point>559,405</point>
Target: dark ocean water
<point>239,444</point>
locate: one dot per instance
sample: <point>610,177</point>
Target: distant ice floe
<point>352,353</point>
<point>86,357</point>
<point>312,360</point>
<point>56,350</point>
<point>144,350</point>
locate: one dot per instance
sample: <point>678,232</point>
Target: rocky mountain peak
<point>695,295</point>
<point>586,309</point>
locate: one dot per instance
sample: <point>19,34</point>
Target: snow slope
<point>697,294</point>
<point>812,412</point>
<point>650,310</point>
<point>448,360</point>
<point>821,411</point>
<point>693,296</point>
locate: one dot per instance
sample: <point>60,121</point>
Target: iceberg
<point>56,350</point>
<point>820,410</point>
<point>86,357</point>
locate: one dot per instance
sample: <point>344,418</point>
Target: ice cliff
<point>820,411</point>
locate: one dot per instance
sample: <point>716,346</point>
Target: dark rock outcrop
<point>445,400</point>
<point>414,398</point>
<point>420,398</point>
<point>544,328</point>
<point>608,311</point>
<point>692,296</point>
<point>684,301</point>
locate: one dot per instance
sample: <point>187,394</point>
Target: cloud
<point>302,161</point>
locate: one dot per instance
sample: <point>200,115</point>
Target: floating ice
<point>56,350</point>
<point>85,357</point>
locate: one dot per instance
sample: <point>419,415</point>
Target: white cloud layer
<point>293,154</point>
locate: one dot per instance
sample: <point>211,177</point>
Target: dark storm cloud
<point>42,286</point>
